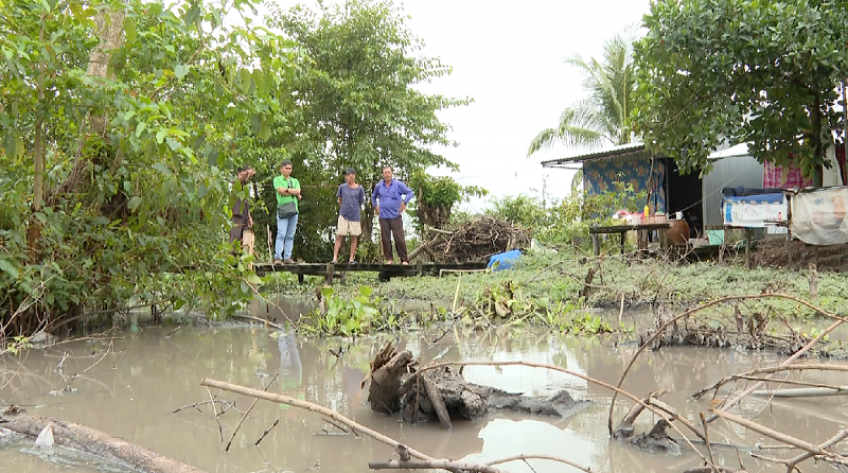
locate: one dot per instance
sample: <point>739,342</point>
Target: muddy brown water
<point>132,392</point>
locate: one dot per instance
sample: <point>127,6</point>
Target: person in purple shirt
<point>389,200</point>
<point>351,197</point>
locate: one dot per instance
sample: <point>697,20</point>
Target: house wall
<point>734,171</point>
<point>601,175</point>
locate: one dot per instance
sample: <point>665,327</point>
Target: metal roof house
<point>670,191</point>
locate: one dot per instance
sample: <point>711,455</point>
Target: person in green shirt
<point>288,190</point>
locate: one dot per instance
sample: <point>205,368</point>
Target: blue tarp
<point>504,260</point>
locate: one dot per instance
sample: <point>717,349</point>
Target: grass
<point>559,277</point>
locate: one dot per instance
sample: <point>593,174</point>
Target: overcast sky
<point>508,57</point>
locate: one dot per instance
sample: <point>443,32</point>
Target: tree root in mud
<point>657,440</point>
<point>387,369</point>
<point>749,334</point>
<point>83,439</point>
<point>442,393</point>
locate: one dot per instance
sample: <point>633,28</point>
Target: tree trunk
<point>34,228</point>
<point>816,118</point>
<point>109,25</point>
<point>94,442</point>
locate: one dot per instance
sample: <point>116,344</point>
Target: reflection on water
<point>133,391</point>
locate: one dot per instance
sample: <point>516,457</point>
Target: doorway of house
<point>685,194</point>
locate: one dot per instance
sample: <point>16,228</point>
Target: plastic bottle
<point>647,210</point>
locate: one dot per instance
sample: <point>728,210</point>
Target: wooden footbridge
<point>384,271</point>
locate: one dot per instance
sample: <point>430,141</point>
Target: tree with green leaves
<point>357,105</point>
<point>602,118</point>
<point>436,197</point>
<point>118,122</point>
<point>761,72</point>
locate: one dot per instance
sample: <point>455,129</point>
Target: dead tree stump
<point>451,396</point>
<point>387,371</point>
<point>442,393</point>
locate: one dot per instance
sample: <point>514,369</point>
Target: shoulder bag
<point>287,209</point>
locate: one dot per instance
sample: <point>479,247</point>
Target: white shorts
<point>348,228</point>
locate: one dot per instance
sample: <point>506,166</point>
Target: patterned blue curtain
<point>600,176</point>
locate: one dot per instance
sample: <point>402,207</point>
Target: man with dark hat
<point>351,197</point>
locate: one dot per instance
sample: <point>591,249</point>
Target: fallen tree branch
<point>437,230</point>
<point>108,349</point>
<point>438,403</point>
<point>707,435</point>
<point>625,427</point>
<point>337,426</point>
<point>802,392</point>
<point>792,463</point>
<point>215,415</point>
<point>267,323</point>
<point>660,330</point>
<point>448,465</point>
<point>771,433</point>
<point>794,383</point>
<point>243,417</point>
<point>201,403</point>
<point>707,469</point>
<point>771,369</point>
<point>540,457</point>
<point>789,361</point>
<point>266,432</point>
<point>282,399</point>
<point>674,415</point>
<point>468,467</point>
<point>93,442</point>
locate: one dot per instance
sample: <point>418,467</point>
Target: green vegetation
<point>123,123</point>
<point>118,127</point>
<point>362,312</point>
<point>357,69</point>
<point>765,73</point>
<point>436,198</point>
<point>544,289</point>
<point>604,117</point>
<point>348,316</point>
<point>567,222</point>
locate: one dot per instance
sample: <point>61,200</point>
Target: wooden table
<point>622,229</point>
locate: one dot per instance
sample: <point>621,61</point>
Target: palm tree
<point>603,117</point>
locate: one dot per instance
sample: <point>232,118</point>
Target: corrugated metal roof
<point>614,152</point>
<point>732,152</point>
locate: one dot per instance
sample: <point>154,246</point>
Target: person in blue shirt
<point>351,197</point>
<point>389,199</point>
